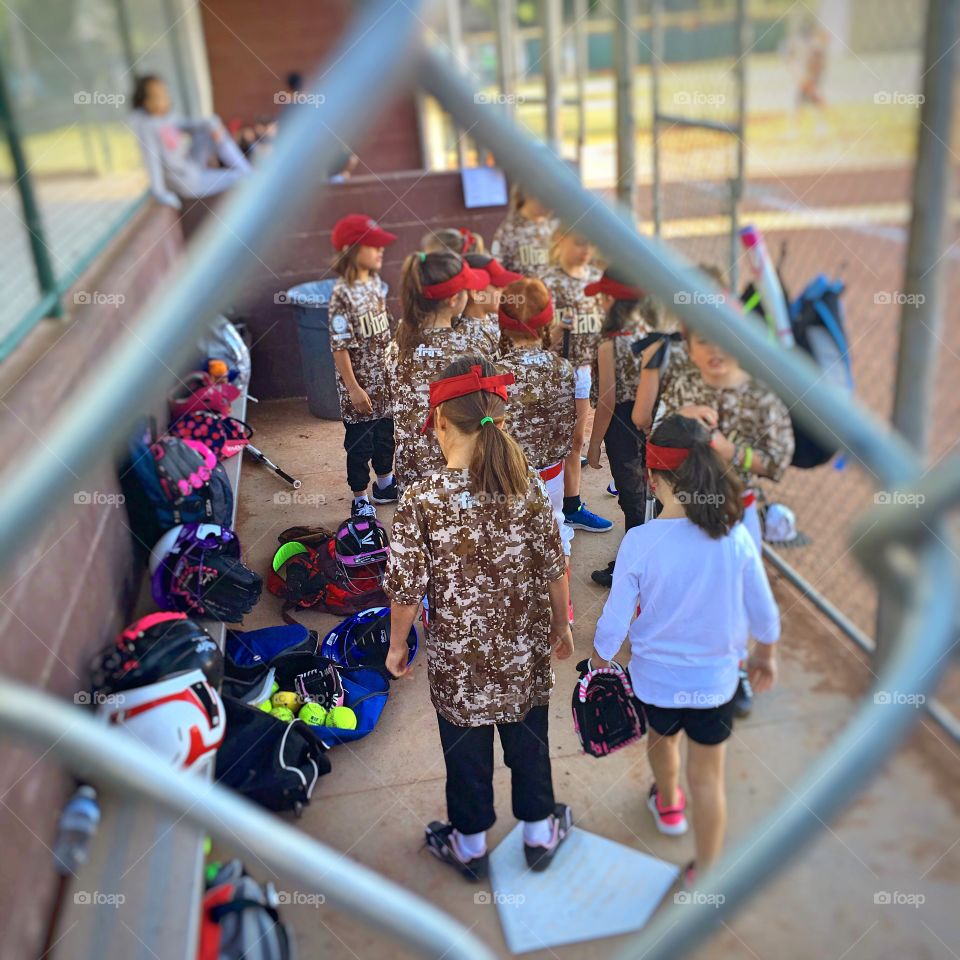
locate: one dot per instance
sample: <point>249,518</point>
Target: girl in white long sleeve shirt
<point>697,578</point>
<point>177,152</point>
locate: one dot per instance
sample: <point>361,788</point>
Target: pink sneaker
<point>669,820</point>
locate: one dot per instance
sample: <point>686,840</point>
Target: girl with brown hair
<point>698,581</point>
<point>433,292</point>
<point>479,541</point>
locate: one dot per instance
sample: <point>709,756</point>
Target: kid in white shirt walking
<point>697,578</point>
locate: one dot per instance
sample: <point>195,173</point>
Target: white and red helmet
<point>181,718</point>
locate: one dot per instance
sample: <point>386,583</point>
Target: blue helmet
<point>363,640</point>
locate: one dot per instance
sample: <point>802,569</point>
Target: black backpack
<point>269,761</point>
<point>150,509</point>
<point>606,714</point>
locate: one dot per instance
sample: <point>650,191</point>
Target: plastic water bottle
<point>77,826</point>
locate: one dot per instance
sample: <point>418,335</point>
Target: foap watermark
<point>287,98</point>
<point>83,298</point>
<point>886,98</point>
<point>698,699</point>
<point>300,300</point>
<point>698,497</point>
<point>485,898</point>
<point>898,698</point>
<point>99,98</point>
<point>695,296</point>
<point>300,898</point>
<point>96,498</point>
<point>97,898</point>
<point>686,98</point>
<point>885,298</point>
<point>499,98</point>
<point>899,498</point>
<point>898,898</point>
<point>683,897</point>
<point>88,698</point>
<point>286,498</point>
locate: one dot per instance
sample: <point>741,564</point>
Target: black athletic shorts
<point>708,726</point>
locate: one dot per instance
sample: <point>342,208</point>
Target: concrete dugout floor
<point>902,836</point>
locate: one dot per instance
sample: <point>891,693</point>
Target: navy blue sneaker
<point>612,489</point>
<point>387,494</point>
<point>583,519</point>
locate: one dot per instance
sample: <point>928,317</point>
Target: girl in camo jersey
<point>630,315</point>
<point>542,411</point>
<point>479,539</point>
<point>522,242</point>
<point>359,334</point>
<point>483,305</point>
<point>576,335</point>
<point>433,292</point>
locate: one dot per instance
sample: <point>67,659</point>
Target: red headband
<point>531,324</point>
<point>665,458</point>
<point>613,288</point>
<point>466,279</point>
<point>466,383</point>
<point>467,239</point>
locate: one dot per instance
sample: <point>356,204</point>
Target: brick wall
<point>70,589</point>
<point>251,50</point>
<point>407,204</point>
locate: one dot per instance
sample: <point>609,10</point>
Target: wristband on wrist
<point>748,459</point>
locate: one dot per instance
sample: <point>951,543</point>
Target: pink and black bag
<point>606,713</point>
<point>225,436</point>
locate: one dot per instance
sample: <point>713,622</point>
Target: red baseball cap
<point>359,228</point>
<point>613,288</point>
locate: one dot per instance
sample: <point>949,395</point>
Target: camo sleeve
<point>342,335</point>
<point>408,571</point>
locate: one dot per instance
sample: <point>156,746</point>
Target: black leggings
<point>368,442</point>
<point>625,450</point>
<point>468,752</point>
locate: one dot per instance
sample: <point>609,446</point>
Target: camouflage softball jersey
<point>359,323</point>
<point>485,568</point>
<point>577,317</point>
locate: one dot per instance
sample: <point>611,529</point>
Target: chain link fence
<point>833,97</point>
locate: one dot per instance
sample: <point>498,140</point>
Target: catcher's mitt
<point>202,574</point>
<point>321,685</point>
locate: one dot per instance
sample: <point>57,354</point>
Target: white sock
<point>470,845</point>
<point>538,833</point>
<point>385,481</point>
<point>361,499</point>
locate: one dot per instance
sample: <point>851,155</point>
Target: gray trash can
<point>311,307</point>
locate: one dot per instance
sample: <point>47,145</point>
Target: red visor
<point>531,325</point>
<point>500,276</point>
<point>466,279</point>
<point>613,288</point>
<point>473,382</point>
<point>665,458</point>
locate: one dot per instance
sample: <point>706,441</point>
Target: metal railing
<point>907,549</point>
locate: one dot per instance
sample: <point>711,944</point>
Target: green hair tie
<point>486,420</point>
<point>422,256</point>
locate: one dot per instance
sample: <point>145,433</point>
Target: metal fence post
<point>736,184</point>
<point>507,52</point>
<point>582,58</point>
<point>625,61</point>
<point>656,58</point>
<point>46,279</point>
<point>552,28</point>
<point>921,313</point>
<point>455,39</point>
